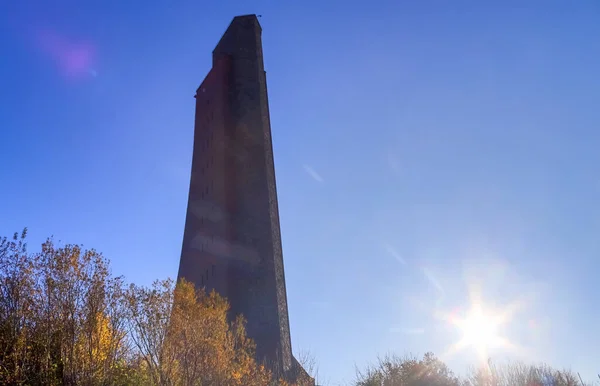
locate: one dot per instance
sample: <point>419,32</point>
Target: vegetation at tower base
<point>66,320</point>
<point>183,337</point>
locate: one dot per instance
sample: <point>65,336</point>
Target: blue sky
<point>420,147</point>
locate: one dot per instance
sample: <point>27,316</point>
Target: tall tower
<point>232,240</point>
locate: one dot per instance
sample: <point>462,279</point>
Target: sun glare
<point>483,327</point>
<point>479,330</point>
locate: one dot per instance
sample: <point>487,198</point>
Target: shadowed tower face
<point>232,240</point>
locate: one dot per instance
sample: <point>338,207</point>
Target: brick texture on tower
<point>232,240</point>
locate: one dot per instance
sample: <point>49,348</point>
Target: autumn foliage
<point>61,316</point>
<point>66,320</point>
<point>182,337</point>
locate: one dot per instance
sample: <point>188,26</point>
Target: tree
<point>61,316</point>
<point>308,363</point>
<point>184,338</point>
<point>80,315</point>
<point>395,371</point>
<point>17,286</point>
<point>149,310</point>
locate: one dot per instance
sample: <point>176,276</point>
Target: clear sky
<point>419,147</point>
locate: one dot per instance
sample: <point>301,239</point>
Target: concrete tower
<point>232,240</point>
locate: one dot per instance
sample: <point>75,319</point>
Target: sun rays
<point>487,321</point>
<point>481,326</point>
<point>480,330</point>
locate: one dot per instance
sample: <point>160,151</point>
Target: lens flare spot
<point>74,59</point>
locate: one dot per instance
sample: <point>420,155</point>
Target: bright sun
<point>482,325</point>
<point>479,329</point>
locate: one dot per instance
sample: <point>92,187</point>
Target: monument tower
<point>232,240</point>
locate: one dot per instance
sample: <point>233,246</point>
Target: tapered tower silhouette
<point>232,240</point>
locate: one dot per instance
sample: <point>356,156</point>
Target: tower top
<point>244,20</point>
<point>243,32</point>
<point>250,15</point>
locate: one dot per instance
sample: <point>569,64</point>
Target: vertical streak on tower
<point>232,240</point>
